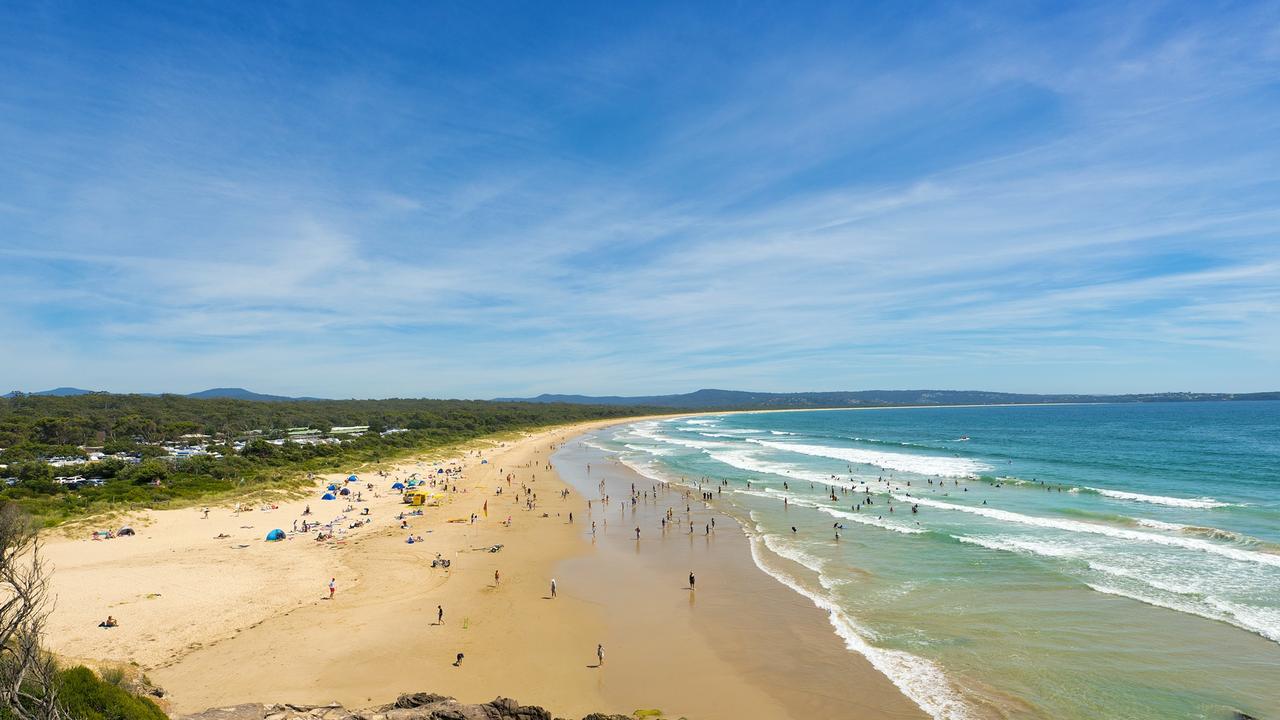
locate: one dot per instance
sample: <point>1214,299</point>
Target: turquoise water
<point>1089,561</point>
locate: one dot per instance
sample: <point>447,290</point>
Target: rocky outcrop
<point>412,706</point>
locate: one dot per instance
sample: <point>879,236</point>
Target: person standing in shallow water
<point>692,579</point>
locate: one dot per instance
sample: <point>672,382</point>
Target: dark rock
<point>508,709</point>
<point>417,700</point>
<point>410,706</point>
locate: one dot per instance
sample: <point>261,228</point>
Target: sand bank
<point>228,620</point>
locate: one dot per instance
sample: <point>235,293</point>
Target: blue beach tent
<point>344,491</point>
<point>275,535</point>
<point>352,478</point>
<point>332,487</point>
<point>328,496</point>
<point>397,486</point>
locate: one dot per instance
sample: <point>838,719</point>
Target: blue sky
<point>472,200</point>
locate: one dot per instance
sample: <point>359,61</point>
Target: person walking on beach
<point>439,614</point>
<point>553,588</point>
<point>692,580</point>
<point>333,586</point>
<point>496,578</point>
<point>599,655</point>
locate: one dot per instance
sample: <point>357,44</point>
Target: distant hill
<point>211,393</point>
<point>56,392</point>
<point>242,394</point>
<point>737,399</point>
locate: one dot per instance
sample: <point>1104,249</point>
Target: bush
<point>86,697</point>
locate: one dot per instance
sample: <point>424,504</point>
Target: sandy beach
<point>224,620</point>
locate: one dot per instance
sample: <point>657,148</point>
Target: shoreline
<point>763,629</point>
<point>236,621</point>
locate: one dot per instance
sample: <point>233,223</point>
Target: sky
<point>477,200</point>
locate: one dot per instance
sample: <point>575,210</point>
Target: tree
<point>28,675</point>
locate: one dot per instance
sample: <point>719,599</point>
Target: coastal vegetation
<point>32,684</point>
<point>66,457</point>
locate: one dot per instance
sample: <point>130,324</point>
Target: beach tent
<point>275,535</point>
<point>397,486</point>
<point>413,483</point>
<point>344,491</point>
<point>440,471</point>
<point>125,531</point>
<point>352,478</point>
<point>332,487</point>
<point>328,496</point>
<point>484,462</point>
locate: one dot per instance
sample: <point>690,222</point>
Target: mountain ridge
<point>210,394</point>
<point>708,398</point>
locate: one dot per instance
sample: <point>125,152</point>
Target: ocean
<point>1057,561</point>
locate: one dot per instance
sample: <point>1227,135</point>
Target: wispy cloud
<point>1085,200</point>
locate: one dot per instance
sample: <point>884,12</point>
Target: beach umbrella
<point>397,486</point>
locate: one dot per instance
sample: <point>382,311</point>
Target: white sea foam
<point>651,434</point>
<point>1159,524</point>
<point>919,679</point>
<point>1119,533</point>
<point>1028,547</point>
<point>1189,600</point>
<point>1204,531</point>
<point>645,469</point>
<point>1264,621</point>
<point>1204,502</point>
<point>747,460</point>
<point>1137,576</point>
<point>868,519</point>
<point>701,421</point>
<point>902,462</point>
<point>733,432</point>
<point>649,450</point>
<point>1255,620</point>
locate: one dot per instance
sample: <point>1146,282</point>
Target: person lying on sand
<point>110,622</point>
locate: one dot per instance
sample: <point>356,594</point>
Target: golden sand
<point>234,620</point>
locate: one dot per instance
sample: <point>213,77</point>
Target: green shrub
<point>86,697</point>
<point>113,676</point>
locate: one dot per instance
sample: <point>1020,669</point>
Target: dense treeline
<point>35,428</point>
